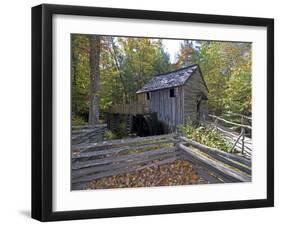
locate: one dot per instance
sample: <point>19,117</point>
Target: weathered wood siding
<point>204,110</point>
<point>182,108</point>
<point>193,87</point>
<point>169,109</point>
<point>142,98</point>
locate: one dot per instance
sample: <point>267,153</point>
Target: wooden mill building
<point>178,97</point>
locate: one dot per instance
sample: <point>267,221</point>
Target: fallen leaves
<point>179,172</point>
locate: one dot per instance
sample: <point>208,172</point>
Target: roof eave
<point>177,85</point>
<point>152,90</point>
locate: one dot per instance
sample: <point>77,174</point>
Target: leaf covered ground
<point>179,172</point>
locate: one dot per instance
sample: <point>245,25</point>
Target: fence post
<point>233,146</point>
<point>216,124</point>
<point>243,133</point>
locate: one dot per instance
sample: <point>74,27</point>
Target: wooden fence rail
<point>231,123</point>
<point>242,125</point>
<point>98,160</point>
<point>120,142</point>
<point>229,166</point>
<point>240,115</point>
<point>109,158</point>
<point>87,134</point>
<point>216,152</point>
<point>221,169</point>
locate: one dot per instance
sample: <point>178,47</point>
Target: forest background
<point>109,70</point>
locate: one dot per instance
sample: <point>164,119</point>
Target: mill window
<point>172,92</point>
<point>148,96</point>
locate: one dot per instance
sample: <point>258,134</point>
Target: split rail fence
<point>225,167</point>
<point>93,161</point>
<point>109,158</point>
<point>241,141</point>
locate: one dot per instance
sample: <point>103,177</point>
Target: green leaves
<point>127,63</point>
<point>209,137</point>
<point>138,59</point>
<point>80,77</point>
<point>226,67</point>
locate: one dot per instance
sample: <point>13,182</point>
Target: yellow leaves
<point>226,67</point>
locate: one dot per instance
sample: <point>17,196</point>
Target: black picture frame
<point>42,107</point>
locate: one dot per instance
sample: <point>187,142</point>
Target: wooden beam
<point>215,151</point>
<point>233,146</point>
<point>216,166</point>
<point>231,123</point>
<point>107,160</point>
<point>114,143</point>
<point>203,170</point>
<point>116,150</point>
<point>236,114</point>
<point>118,165</point>
<point>81,182</point>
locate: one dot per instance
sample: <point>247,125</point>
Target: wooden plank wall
<point>141,97</point>
<point>181,108</point>
<point>204,110</point>
<point>168,109</point>
<point>192,88</point>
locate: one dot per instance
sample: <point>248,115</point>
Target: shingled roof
<point>170,79</point>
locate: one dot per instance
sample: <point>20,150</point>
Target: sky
<point>172,47</point>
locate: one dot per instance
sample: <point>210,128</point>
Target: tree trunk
<point>95,48</point>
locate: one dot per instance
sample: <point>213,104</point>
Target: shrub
<point>109,135</point>
<point>203,135</point>
<point>121,130</point>
<point>77,121</point>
